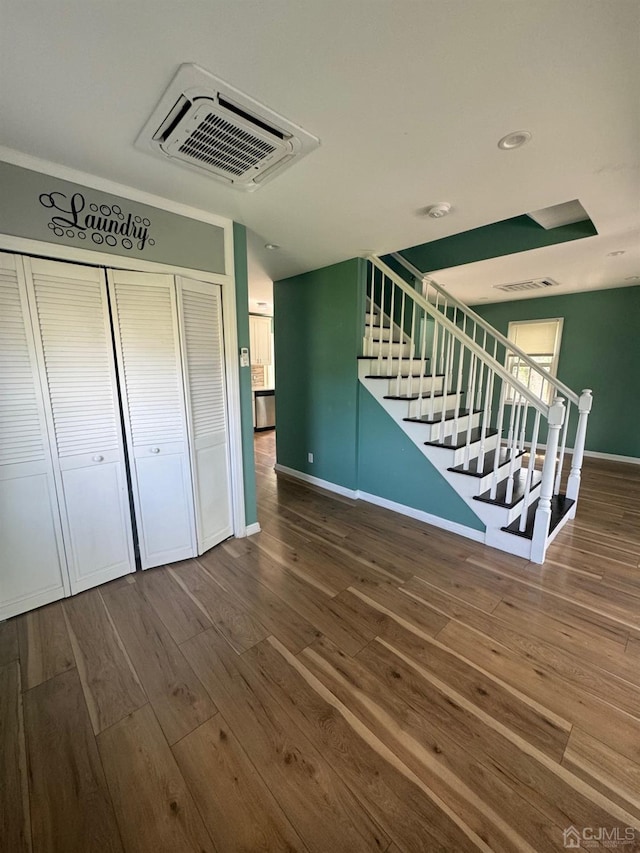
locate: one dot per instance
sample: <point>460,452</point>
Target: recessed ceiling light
<point>514,140</point>
<point>271,246</point>
<point>632,278</point>
<point>615,254</point>
<point>437,211</point>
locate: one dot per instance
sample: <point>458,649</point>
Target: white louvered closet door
<point>147,344</point>
<point>200,310</point>
<point>32,563</point>
<point>70,313</point>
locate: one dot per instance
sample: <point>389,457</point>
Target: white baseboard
<point>426,517</point>
<point>316,481</point>
<point>613,457</point>
<point>253,528</point>
<point>596,454</point>
<point>402,509</point>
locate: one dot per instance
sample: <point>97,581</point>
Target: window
<point>540,339</point>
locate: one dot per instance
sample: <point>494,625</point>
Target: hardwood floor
<point>347,680</point>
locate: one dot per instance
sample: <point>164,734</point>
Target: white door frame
<point>24,246</point>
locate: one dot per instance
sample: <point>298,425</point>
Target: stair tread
<point>487,468</point>
<point>416,358</point>
<point>455,442</point>
<point>449,415</point>
<point>423,396</point>
<point>519,482</point>
<point>405,376</point>
<point>560,506</point>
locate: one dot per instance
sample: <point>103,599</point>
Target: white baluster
<point>423,353</point>
<point>391,325</point>
<point>513,452</point>
<point>530,469</point>
<point>381,323</point>
<point>500,428</point>
<point>412,342</point>
<point>470,396</point>
<point>368,344</point>
<point>542,518</point>
<point>563,445</point>
<point>486,416</point>
<point>445,384</point>
<point>573,484</point>
<point>401,347</point>
<point>432,364</point>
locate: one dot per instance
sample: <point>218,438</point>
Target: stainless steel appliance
<point>265,402</point>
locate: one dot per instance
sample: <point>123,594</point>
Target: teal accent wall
<point>246,402</point>
<point>318,321</point>
<point>391,466</point>
<point>519,234</point>
<point>600,349</point>
<point>321,408</point>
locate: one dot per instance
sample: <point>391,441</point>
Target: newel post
<point>584,407</point>
<point>542,518</point>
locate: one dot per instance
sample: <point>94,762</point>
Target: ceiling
<point>408,98</point>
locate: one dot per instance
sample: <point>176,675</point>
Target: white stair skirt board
<point>402,509</point>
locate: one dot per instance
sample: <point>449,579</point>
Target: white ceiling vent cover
<point>530,284</point>
<point>204,123</point>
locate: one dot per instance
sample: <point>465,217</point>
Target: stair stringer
<point>493,517</point>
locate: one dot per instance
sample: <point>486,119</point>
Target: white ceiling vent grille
<point>530,284</point>
<point>204,123</point>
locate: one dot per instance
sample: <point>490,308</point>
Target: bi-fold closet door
<point>65,516</point>
<point>64,503</point>
<point>168,337</point>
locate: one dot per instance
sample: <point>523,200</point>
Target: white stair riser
<point>374,348</point>
<point>369,317</point>
<point>415,385</point>
<point>389,367</point>
<point>375,333</point>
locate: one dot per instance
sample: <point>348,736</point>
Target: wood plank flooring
<point>346,681</point>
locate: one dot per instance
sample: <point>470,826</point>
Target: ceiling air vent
<point>205,124</point>
<point>530,284</point>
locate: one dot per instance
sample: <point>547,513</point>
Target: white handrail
<point>555,383</point>
<point>461,336</point>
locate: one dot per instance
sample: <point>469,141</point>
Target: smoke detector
<point>205,124</point>
<point>530,284</point>
<point>437,211</point>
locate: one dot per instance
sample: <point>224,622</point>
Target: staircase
<point>476,406</point>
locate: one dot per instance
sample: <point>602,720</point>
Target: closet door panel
<point>200,308</point>
<point>70,305</point>
<point>145,322</point>
<point>32,563</point>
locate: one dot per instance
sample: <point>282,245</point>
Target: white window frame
<point>555,355</point>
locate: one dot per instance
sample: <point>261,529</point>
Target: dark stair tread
<point>455,442</point>
<point>487,468</point>
<point>405,376</point>
<point>422,396</point>
<point>436,419</point>
<point>519,482</point>
<point>393,357</point>
<point>560,506</point>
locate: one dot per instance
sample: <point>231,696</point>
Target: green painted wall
<point>322,408</point>
<point>518,234</point>
<point>600,349</point>
<point>318,320</point>
<point>246,414</point>
<point>391,466</point>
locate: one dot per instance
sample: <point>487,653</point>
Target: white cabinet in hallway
<point>260,339</point>
<point>145,321</point>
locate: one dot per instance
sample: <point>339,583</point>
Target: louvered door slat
<point>203,358</point>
